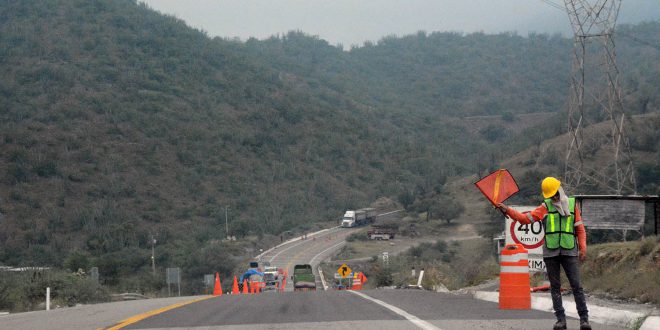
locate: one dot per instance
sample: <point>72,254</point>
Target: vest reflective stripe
<point>514,257</point>
<point>556,235</point>
<point>514,269</point>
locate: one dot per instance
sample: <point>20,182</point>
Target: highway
<point>370,309</point>
<point>312,250</point>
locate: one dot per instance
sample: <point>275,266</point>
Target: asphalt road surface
<point>371,309</point>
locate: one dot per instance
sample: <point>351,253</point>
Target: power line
<point>554,5</point>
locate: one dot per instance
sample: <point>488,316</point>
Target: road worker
<point>565,243</point>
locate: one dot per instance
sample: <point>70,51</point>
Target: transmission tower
<point>595,103</point>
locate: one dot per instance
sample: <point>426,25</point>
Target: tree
<point>448,208</point>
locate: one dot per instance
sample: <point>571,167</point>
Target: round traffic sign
<point>531,236</point>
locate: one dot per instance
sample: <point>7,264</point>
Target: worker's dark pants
<point>572,270</point>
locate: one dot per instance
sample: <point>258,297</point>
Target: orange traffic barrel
<point>514,278</point>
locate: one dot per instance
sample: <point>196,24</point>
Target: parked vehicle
<point>303,278</point>
<point>359,217</point>
<point>271,275</point>
<point>381,233</point>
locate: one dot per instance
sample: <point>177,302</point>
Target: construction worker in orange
<point>565,244</point>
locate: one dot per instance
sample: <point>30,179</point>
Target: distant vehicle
<point>358,217</point>
<point>381,233</point>
<point>271,276</point>
<point>303,278</point>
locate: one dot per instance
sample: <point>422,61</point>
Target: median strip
<point>140,317</point>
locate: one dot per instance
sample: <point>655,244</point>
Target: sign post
<point>530,236</point>
<point>173,277</point>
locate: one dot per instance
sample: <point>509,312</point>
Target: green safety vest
<point>559,230</point>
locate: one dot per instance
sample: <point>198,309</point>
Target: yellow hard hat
<point>549,186</point>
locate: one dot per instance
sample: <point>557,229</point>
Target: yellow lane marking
<point>140,317</point>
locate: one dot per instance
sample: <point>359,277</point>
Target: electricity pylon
<point>593,27</point>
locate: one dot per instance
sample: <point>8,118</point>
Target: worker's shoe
<point>560,325</point>
<point>584,325</point>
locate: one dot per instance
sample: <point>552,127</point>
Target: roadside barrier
<point>217,288</point>
<point>544,287</point>
<point>514,278</point>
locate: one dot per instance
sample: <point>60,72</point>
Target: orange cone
<point>245,287</point>
<point>252,291</point>
<point>217,289</point>
<point>234,288</point>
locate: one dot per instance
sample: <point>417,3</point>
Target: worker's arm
<point>581,234</point>
<point>527,218</point>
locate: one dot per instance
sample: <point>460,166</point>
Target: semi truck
<point>358,217</point>
<point>303,278</point>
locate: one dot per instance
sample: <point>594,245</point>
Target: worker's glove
<point>582,256</point>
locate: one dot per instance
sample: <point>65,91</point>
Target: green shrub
<point>16,174</point>
<point>357,237</point>
<point>646,246</point>
<point>46,169</point>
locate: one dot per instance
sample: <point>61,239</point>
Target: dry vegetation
<point>627,270</point>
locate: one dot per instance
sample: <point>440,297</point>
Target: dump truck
<point>358,217</point>
<point>381,233</point>
<point>303,278</point>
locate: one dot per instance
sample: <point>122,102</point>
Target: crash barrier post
<point>514,278</point>
<point>217,288</point>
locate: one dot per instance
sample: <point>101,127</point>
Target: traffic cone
<point>234,288</point>
<point>245,287</point>
<point>252,287</point>
<point>217,289</point>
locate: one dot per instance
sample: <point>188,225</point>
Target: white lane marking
<point>326,250</point>
<point>412,318</point>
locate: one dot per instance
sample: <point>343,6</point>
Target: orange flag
<point>498,186</point>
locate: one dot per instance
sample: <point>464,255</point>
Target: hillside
<point>118,123</point>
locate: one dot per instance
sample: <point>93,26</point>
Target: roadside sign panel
<point>209,280</point>
<point>338,276</point>
<point>344,271</point>
<point>173,275</point>
<point>530,236</point>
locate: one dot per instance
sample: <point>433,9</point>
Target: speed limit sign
<point>529,235</point>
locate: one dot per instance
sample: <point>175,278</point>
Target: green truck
<point>303,278</point>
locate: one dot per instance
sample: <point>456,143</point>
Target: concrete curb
<point>598,314</point>
<point>651,323</point>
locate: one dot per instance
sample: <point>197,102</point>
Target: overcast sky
<point>351,22</point>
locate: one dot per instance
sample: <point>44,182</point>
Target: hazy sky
<point>351,22</point>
